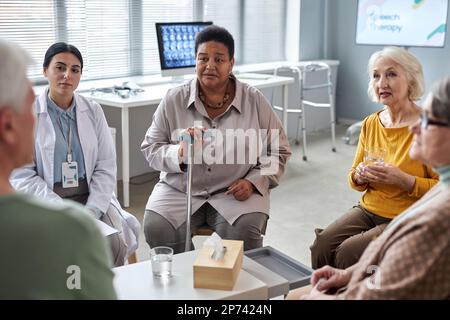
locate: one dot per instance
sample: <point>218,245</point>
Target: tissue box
<point>221,274</point>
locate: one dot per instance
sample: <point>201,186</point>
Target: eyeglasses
<point>425,121</point>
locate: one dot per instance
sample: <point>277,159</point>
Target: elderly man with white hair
<point>49,251</point>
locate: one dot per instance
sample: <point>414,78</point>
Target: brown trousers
<point>343,242</point>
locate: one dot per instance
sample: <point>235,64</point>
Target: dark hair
<point>218,34</point>
<point>440,99</point>
<point>60,47</point>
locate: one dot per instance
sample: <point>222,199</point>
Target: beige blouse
<point>246,141</point>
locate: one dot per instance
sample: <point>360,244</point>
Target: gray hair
<point>440,99</point>
<point>13,75</point>
<point>411,65</point>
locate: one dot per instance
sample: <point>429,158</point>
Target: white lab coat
<point>99,158</point>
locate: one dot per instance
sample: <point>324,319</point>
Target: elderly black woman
<point>241,151</point>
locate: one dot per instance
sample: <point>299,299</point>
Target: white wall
<point>311,29</point>
<point>340,23</point>
<point>351,96</point>
<point>140,119</point>
<point>312,48</point>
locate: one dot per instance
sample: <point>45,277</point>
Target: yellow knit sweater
<point>389,200</point>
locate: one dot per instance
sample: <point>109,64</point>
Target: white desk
<point>153,95</point>
<point>271,66</point>
<point>136,282</point>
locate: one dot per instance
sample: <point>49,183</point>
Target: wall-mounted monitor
<point>417,23</point>
<point>176,44</point>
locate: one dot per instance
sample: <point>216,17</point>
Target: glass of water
<point>374,155</point>
<point>161,258</point>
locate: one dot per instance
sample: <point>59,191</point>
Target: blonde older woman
<point>411,259</point>
<point>396,81</point>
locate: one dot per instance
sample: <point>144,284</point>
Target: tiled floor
<point>311,194</point>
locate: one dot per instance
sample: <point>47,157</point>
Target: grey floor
<point>311,194</point>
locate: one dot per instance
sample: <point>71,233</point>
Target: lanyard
<point>69,140</point>
<point>69,150</point>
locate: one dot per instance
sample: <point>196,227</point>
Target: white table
<point>271,66</point>
<point>136,282</point>
<point>152,96</point>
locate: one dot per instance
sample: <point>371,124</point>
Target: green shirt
<point>51,251</point>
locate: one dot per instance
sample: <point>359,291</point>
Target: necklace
<point>225,98</point>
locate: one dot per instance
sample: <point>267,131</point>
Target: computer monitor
<point>176,44</point>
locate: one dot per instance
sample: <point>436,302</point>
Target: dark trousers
<point>343,242</point>
<point>249,227</point>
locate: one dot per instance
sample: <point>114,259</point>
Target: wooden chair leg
<point>132,258</point>
<point>202,231</point>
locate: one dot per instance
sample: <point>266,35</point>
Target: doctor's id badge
<point>70,174</point>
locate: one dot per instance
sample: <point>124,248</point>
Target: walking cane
<point>189,192</point>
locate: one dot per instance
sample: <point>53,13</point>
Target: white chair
<point>303,75</point>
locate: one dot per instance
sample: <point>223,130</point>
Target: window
<point>226,14</point>
<point>263,30</point>
<point>31,24</point>
<point>160,11</point>
<point>257,26</point>
<point>118,38</point>
<point>100,30</point>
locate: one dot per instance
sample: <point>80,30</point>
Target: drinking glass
<point>374,155</point>
<point>161,258</point>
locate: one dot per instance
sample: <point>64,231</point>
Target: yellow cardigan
<point>389,200</point>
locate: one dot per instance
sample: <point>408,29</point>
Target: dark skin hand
<point>241,189</point>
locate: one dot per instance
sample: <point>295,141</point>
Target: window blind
<point>100,30</point>
<point>226,14</point>
<point>263,31</point>
<point>117,37</point>
<point>258,27</point>
<point>31,24</point>
<point>160,11</point>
